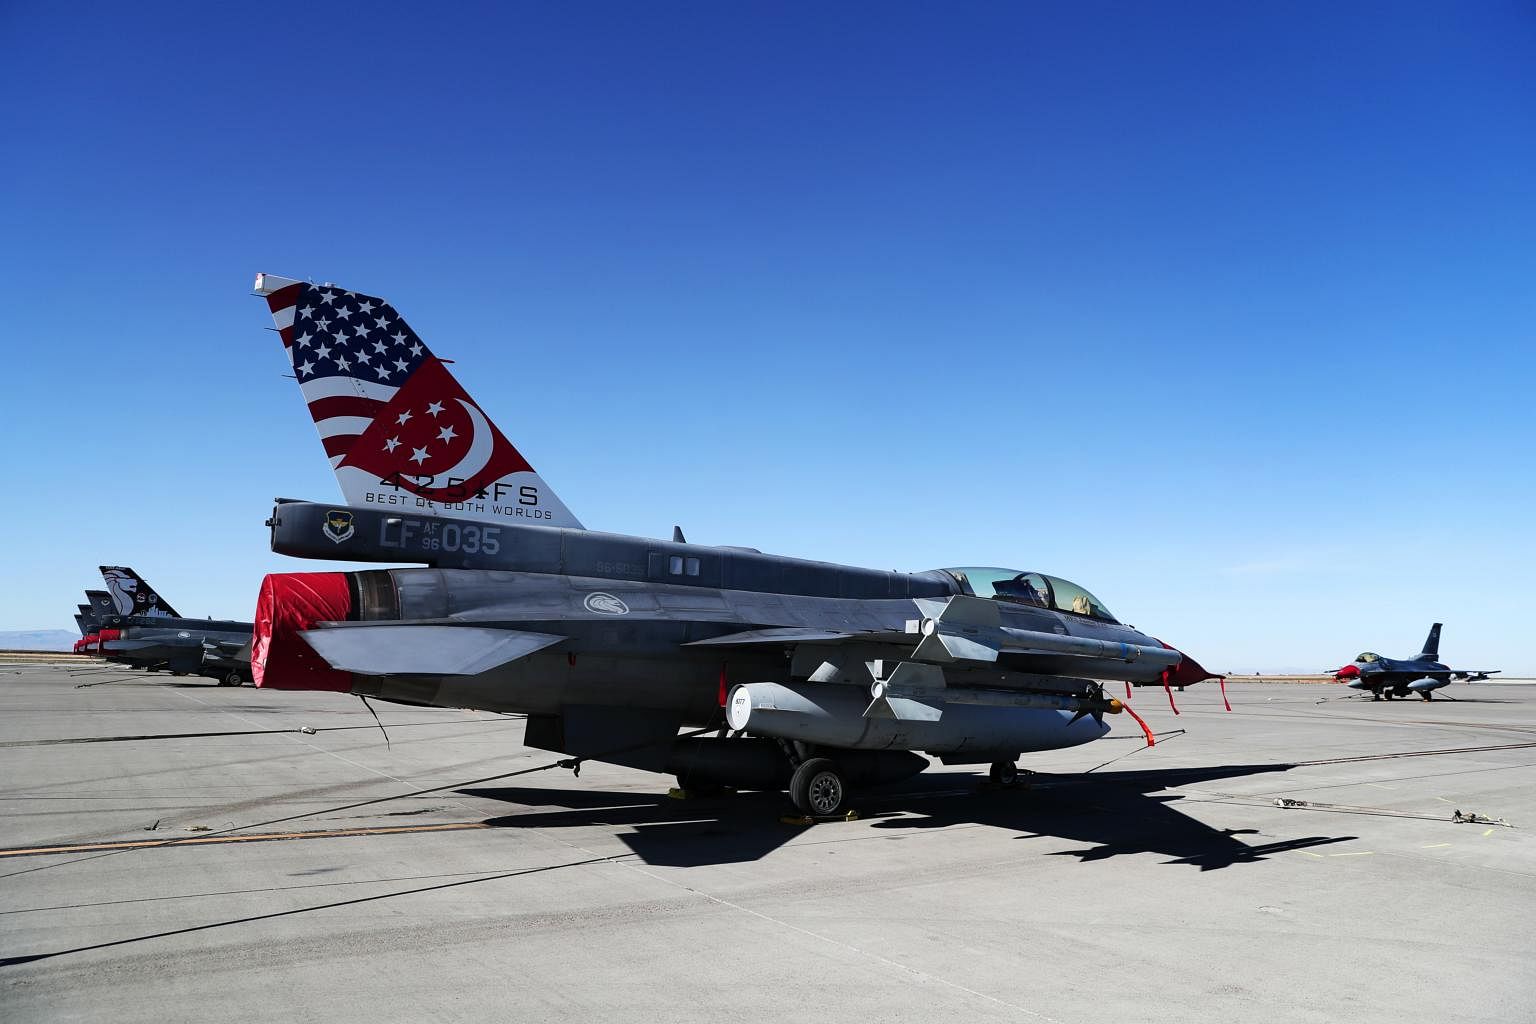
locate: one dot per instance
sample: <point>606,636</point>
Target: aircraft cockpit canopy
<point>1368,657</point>
<point>1031,588</point>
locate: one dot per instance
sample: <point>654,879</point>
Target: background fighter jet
<point>1422,674</point>
<point>98,605</point>
<point>818,676</point>
<point>142,630</point>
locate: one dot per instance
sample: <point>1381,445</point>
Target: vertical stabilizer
<point>1431,651</point>
<point>398,428</point>
<point>131,595</point>
<point>101,606</point>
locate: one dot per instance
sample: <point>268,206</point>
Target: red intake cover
<point>1347,672</point>
<point>290,602</point>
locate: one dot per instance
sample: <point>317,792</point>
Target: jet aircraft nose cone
<point>1347,672</point>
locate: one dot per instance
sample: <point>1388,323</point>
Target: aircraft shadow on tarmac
<point>1115,812</point>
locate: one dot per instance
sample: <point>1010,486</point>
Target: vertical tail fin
<point>131,595</point>
<point>80,621</point>
<point>398,428</point>
<point>1431,651</point>
<point>101,605</point>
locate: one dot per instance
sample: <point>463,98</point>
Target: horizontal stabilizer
<point>426,650</point>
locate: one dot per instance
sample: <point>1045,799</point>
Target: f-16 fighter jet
<point>142,630</point>
<point>97,607</point>
<point>819,676</point>
<point>1394,677</point>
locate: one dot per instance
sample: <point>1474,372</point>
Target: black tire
<point>817,788</point>
<point>1004,773</point>
<point>232,679</point>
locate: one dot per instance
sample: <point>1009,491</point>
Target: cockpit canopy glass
<point>1368,657</point>
<point>1031,588</point>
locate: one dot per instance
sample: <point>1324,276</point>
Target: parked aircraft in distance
<point>1422,674</point>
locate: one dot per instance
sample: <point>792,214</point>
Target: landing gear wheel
<point>232,679</point>
<point>1004,773</point>
<point>817,788</point>
<point>1427,695</point>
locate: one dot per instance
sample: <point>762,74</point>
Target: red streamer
<point>1169,691</point>
<point>1151,740</point>
<point>1223,681</point>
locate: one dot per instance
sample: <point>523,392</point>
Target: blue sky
<point>1224,311</point>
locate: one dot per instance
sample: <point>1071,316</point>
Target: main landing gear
<point>817,788</point>
<point>1004,773</point>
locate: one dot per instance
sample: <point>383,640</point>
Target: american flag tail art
<point>399,430</point>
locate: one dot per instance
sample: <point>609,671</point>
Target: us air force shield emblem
<point>338,526</point>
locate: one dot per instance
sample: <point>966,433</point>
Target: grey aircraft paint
<point>1422,674</point>
<point>611,643</point>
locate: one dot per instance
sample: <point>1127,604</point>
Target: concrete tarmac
<point>1166,886</point>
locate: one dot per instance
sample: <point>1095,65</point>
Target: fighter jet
<point>818,676</point>
<point>98,605</point>
<point>1394,677</point>
<point>144,631</point>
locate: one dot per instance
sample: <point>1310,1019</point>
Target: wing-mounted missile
<point>964,628</point>
<point>421,648</point>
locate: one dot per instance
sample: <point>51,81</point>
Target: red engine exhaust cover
<point>290,602</point>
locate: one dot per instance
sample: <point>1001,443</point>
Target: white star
<point>364,357</point>
<point>327,297</point>
<point>323,352</point>
<point>435,408</point>
<point>303,339</point>
<point>382,322</point>
<point>379,347</point>
<point>418,455</point>
<point>400,364</point>
<point>446,435</point>
<point>383,373</point>
<point>341,362</point>
<point>344,312</point>
<point>392,444</point>
<point>403,417</point>
<point>399,337</point>
<point>416,349</point>
<point>307,312</point>
<point>322,323</point>
<point>365,307</point>
<point>306,367</point>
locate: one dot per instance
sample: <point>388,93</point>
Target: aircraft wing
<point>958,629</point>
<point>1474,674</point>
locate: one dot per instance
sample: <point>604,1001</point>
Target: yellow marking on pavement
<point>1489,832</point>
<point>1309,853</point>
<point>1444,800</point>
<point>1434,846</point>
<point>247,837</point>
<point>1362,853</point>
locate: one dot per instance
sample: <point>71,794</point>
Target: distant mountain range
<point>37,639</point>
